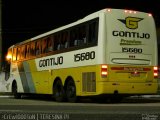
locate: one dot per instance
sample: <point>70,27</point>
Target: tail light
<point>104,70</point>
<point>155,72</point>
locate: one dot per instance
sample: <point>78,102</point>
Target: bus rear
<point>131,52</point>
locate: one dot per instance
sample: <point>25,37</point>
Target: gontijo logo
<point>131,22</point>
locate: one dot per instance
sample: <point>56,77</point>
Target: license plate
<point>135,74</point>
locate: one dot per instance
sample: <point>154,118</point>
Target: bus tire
<point>58,91</point>
<point>14,91</point>
<point>71,91</point>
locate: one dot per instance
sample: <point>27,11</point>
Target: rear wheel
<point>58,90</point>
<point>71,91</point>
<point>14,91</point>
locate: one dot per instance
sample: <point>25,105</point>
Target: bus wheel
<point>58,91</point>
<point>71,91</point>
<point>14,91</point>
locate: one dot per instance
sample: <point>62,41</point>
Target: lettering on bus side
<point>130,34</point>
<point>84,56</point>
<point>51,62</point>
<point>132,50</point>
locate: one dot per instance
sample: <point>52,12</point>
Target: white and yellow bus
<point>111,52</point>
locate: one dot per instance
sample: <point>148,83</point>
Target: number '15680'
<point>84,56</point>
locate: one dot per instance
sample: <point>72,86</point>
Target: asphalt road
<point>42,108</point>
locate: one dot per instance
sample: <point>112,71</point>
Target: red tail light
<point>104,70</point>
<point>155,72</point>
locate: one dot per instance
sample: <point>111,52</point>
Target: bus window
<point>18,53</point>
<point>93,31</point>
<point>44,45</point>
<point>78,36</point>
<point>50,44</point>
<point>14,54</point>
<point>60,44</point>
<point>27,51</point>
<point>72,38</point>
<point>55,41</point>
<point>82,35</point>
<point>32,49</point>
<point>38,47</point>
<point>77,39</point>
<point>65,42</point>
<point>22,52</point>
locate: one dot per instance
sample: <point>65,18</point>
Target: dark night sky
<point>24,19</point>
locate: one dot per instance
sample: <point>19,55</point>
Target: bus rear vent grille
<point>89,82</point>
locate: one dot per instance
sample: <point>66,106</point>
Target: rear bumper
<point>127,88</point>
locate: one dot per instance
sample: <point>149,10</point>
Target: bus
<point>109,53</point>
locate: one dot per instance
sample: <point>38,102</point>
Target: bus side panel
<point>85,79</point>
